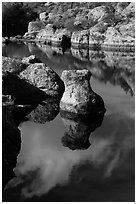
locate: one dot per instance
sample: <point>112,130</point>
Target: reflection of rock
<point>46,111</point>
<point>23,92</point>
<point>78,129</point>
<point>12,65</point>
<point>43,78</point>
<point>78,96</point>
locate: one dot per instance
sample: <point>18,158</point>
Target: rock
<point>78,129</point>
<point>5,40</point>
<point>43,16</point>
<point>79,97</point>
<point>32,59</point>
<point>22,91</point>
<point>125,9</point>
<point>46,34</point>
<point>44,112</point>
<point>127,28</point>
<point>35,26</point>
<point>80,38</point>
<point>114,38</point>
<point>54,36</point>
<point>98,13</point>
<point>30,35</point>
<point>12,65</point>
<point>44,78</point>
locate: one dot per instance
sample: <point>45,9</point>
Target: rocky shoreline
<point>120,36</point>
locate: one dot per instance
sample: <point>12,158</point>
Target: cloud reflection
<point>44,163</point>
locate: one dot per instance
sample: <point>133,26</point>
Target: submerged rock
<point>79,97</point>
<point>12,65</point>
<point>44,78</point>
<point>46,111</point>
<point>78,129</point>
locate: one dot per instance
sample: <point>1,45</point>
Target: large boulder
<point>98,13</point>
<point>12,65</point>
<point>79,97</point>
<point>114,38</point>
<point>44,78</point>
<point>127,28</point>
<point>35,26</point>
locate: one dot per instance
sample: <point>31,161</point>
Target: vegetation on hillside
<point>71,15</point>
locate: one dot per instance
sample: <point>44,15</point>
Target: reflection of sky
<point>43,162</point>
<point>109,154</point>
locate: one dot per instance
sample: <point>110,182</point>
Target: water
<point>47,170</point>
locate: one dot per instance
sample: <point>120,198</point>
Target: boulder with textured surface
<point>98,13</point>
<point>114,37</point>
<point>44,78</point>
<point>78,96</point>
<point>12,65</point>
<point>35,26</point>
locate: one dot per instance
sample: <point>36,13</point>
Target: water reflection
<point>117,68</point>
<point>79,128</point>
<point>44,163</point>
<point>48,171</point>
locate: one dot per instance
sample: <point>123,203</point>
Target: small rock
<point>30,60</point>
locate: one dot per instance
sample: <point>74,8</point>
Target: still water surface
<point>47,170</point>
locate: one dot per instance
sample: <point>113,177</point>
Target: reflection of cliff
<point>78,129</point>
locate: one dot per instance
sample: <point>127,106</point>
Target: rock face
<point>78,97</point>
<point>44,112</point>
<point>44,78</point>
<point>114,38</point>
<point>80,38</point>
<point>78,129</point>
<point>12,65</point>
<point>35,26</point>
<point>54,36</point>
<point>98,13</point>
